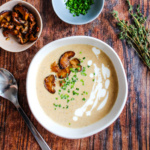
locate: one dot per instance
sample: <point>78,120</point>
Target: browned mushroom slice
<point>3,14</point>
<point>8,18</point>
<point>31,26</point>
<point>64,59</point>
<point>20,37</point>
<point>32,38</point>
<point>37,29</point>
<point>16,19</point>
<point>10,26</point>
<point>63,73</point>
<point>26,28</point>
<point>31,17</point>
<point>75,63</point>
<point>49,83</point>
<point>6,32</point>
<point>22,10</point>
<point>55,67</point>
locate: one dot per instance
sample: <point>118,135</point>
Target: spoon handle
<point>35,133</point>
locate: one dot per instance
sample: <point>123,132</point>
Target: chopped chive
<point>88,66</point>
<point>94,73</point>
<point>77,89</point>
<point>67,106</point>
<point>83,57</point>
<point>68,101</point>
<point>59,105</point>
<point>69,124</point>
<point>54,108</point>
<point>72,99</point>
<point>56,98</point>
<point>80,52</point>
<point>93,80</point>
<point>83,99</point>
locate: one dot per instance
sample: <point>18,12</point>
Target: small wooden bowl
<point>13,45</point>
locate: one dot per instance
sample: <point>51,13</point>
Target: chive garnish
<point>83,99</point>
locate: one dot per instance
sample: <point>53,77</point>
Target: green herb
<point>93,80</point>
<point>75,93</point>
<point>67,106</point>
<point>77,7</point>
<point>88,66</point>
<point>83,57</point>
<point>94,73</point>
<point>135,34</point>
<point>56,98</point>
<point>69,124</point>
<point>82,81</point>
<point>80,52</point>
<point>77,89</point>
<point>83,99</point>
<point>54,108</point>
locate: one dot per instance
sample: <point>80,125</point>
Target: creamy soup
<point>89,94</point>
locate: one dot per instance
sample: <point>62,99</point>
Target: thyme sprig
<point>135,34</point>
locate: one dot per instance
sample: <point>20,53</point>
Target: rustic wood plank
<point>130,131</point>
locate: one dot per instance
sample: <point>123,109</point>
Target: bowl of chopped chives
<point>78,12</point>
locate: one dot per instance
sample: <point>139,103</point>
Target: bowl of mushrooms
<point>20,26</point>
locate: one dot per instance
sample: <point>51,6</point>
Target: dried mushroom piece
<point>55,67</point>
<point>63,73</point>
<point>32,38</point>
<point>4,14</point>
<point>25,29</point>
<point>22,10</point>
<point>75,63</point>
<point>49,83</point>
<point>64,59</point>
<point>16,19</point>
<point>7,32</point>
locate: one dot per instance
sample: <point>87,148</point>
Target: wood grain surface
<point>131,131</point>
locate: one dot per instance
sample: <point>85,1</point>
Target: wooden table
<point>130,131</point>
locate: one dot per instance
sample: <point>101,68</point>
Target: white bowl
<point>13,45</point>
<point>49,124</point>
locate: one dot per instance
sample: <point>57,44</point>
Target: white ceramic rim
<point>86,22</point>
<point>70,133</point>
<point>39,34</point>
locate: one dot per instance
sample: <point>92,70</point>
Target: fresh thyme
<point>135,34</point>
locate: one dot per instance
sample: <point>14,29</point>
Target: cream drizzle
<point>89,63</point>
<point>97,92</point>
<point>96,51</point>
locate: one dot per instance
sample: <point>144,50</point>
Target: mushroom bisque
<point>81,85</point>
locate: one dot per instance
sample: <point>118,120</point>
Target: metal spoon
<point>9,90</point>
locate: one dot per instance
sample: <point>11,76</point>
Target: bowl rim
<point>40,20</point>
<point>82,23</point>
<point>90,133</point>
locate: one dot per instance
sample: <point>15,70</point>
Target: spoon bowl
<point>8,86</point>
